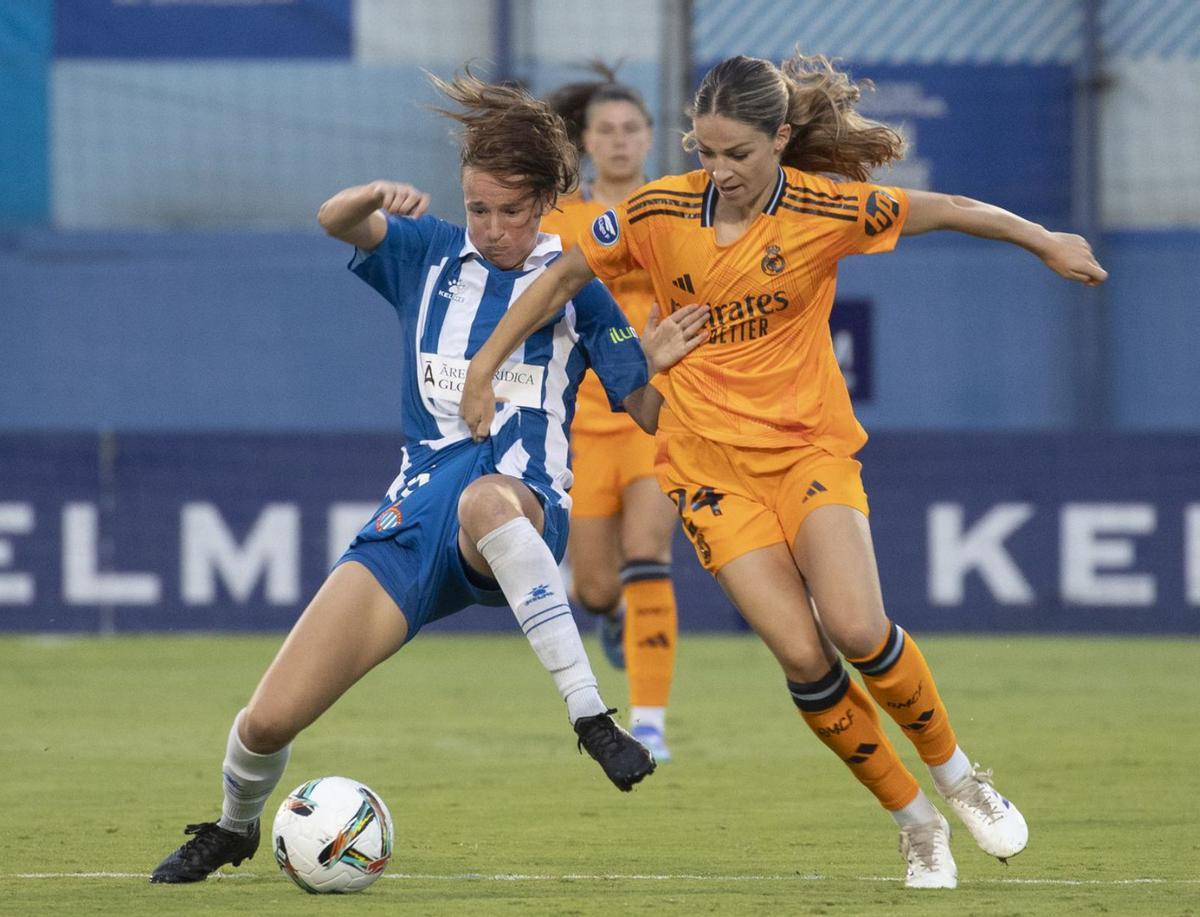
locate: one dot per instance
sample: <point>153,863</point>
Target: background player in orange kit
<point>756,437</point>
<point>621,525</point>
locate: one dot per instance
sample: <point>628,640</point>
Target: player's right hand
<point>666,341</point>
<point>399,198</point>
<point>478,405</point>
<point>1070,256</point>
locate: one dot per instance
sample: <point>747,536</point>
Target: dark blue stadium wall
<point>974,532</point>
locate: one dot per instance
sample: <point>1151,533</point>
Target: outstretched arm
<point>355,215</point>
<point>1066,254</point>
<point>533,308</point>
<point>665,342</point>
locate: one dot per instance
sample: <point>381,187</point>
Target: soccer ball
<point>332,834</point>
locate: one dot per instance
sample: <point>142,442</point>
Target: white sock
<point>918,812</point>
<point>249,781</point>
<point>946,776</point>
<point>648,716</point>
<point>525,569</point>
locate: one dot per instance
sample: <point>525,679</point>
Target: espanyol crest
<point>389,518</point>
<point>605,229</point>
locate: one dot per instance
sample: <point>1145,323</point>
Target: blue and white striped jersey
<point>449,298</point>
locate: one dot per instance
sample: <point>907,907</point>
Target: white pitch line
<point>619,877</point>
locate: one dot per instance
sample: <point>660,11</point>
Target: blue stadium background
<point>198,403</point>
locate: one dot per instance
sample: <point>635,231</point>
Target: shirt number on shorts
<point>703,497</point>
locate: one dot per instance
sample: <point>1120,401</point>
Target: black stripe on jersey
<point>801,189</point>
<point>650,201</point>
<point>777,195</point>
<point>670,192</point>
<point>710,204</point>
<point>819,213</point>
<point>794,198</point>
<point>683,215</point>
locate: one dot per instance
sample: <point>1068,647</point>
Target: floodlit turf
<point>109,746</point>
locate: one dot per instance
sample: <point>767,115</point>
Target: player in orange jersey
<point>621,525</point>
<point>756,437</point>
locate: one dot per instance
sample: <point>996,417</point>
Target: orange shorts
<point>734,500</point>
<point>604,465</point>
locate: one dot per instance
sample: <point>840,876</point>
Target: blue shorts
<point>411,543</point>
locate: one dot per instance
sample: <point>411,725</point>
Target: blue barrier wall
<point>26,33</point>
<point>268,331</point>
<point>974,532</point>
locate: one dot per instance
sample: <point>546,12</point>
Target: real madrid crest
<point>772,262</point>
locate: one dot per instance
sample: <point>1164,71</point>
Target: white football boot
<point>926,849</point>
<point>995,823</point>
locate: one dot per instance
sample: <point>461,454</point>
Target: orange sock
<point>843,717</point>
<point>899,678</point>
<point>651,631</point>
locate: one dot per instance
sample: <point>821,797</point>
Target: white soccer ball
<point>332,834</point>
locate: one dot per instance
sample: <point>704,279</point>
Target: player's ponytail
<point>828,134</point>
<point>811,95</point>
<point>517,139</point>
<point>574,100</point>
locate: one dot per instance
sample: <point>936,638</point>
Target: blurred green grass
<point>110,745</point>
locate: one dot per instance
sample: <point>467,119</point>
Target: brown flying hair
<point>815,98</point>
<point>514,137</point>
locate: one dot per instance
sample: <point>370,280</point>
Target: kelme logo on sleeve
<point>605,229</point>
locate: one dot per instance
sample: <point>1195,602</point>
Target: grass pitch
<point>109,746</point>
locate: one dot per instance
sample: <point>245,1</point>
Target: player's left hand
<point>667,341</point>
<point>1070,256</point>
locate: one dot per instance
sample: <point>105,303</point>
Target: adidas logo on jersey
<point>452,291</point>
<point>684,282</point>
<point>816,487</point>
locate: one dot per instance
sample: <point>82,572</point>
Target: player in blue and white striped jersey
<point>448,297</point>
<point>468,520</point>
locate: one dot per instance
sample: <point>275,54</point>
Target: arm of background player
<point>532,309</point>
<point>643,406</point>
<point>1066,254</point>
<point>355,215</point>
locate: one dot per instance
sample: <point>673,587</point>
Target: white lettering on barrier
<point>955,552</point>
<point>271,548</point>
<point>843,352</point>
<point>15,588</point>
<point>1085,552</point>
<point>344,521</point>
<point>1097,548</point>
<point>1191,553</point>
<point>83,583</point>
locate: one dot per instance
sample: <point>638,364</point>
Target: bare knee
<point>264,731</point>
<point>858,638</point>
<point>805,664</point>
<point>492,500</point>
<point>599,594</point>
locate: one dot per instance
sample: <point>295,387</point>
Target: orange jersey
<point>768,376</point>
<point>633,293</point>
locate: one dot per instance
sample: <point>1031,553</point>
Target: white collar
<point>544,249</point>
